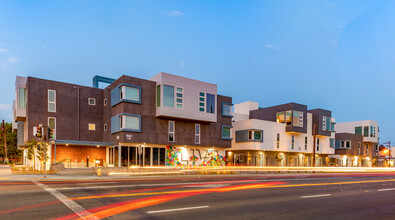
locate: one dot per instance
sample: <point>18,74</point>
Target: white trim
<point>171,132</point>
<point>54,135</point>
<point>89,101</point>
<point>182,98</point>
<point>105,102</point>
<point>50,102</point>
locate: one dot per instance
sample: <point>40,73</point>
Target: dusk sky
<point>335,55</point>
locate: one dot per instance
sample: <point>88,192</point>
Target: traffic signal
<point>39,132</point>
<point>51,133</point>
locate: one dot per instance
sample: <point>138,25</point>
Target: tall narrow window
<point>105,127</point>
<point>171,131</point>
<point>179,97</point>
<point>197,133</point>
<point>359,148</point>
<point>52,125</point>
<point>367,149</point>
<point>366,131</point>
<point>293,142</point>
<point>21,98</point>
<point>105,102</point>
<point>202,101</point>
<point>328,124</point>
<point>288,117</point>
<point>305,143</point>
<point>280,117</point>
<point>300,119</point>
<point>51,100</point>
<point>210,103</point>
<point>168,96</point>
<point>324,123</point>
<point>332,142</point>
<point>278,140</point>
<point>318,144</point>
<point>348,144</point>
<point>158,96</point>
<point>371,131</point>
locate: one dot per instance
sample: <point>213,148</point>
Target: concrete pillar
<point>119,155</point>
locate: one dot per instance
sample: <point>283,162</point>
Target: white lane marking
<point>180,209</point>
<point>75,207</point>
<point>389,189</point>
<point>209,185</point>
<point>313,196</point>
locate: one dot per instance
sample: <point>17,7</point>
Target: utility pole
<point>45,131</point>
<point>314,139</point>
<point>389,153</point>
<point>5,143</point>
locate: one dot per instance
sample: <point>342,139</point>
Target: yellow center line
<point>231,189</point>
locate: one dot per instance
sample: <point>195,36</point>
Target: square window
<point>179,89</point>
<point>201,109</point>
<point>92,127</point>
<point>130,93</point>
<point>179,95</point>
<point>130,122</point>
<point>179,105</point>
<point>201,94</point>
<point>92,101</point>
<point>201,99</point>
<point>179,100</point>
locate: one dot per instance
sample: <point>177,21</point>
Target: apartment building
<point>281,135</point>
<point>357,143</point>
<point>166,120</point>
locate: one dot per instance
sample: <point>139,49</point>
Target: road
<point>332,196</point>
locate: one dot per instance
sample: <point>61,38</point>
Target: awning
<point>84,143</point>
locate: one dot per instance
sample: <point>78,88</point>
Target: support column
<point>119,155</point>
<point>55,152</point>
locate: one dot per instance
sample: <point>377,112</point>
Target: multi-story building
<point>280,135</point>
<point>166,120</point>
<point>357,143</point>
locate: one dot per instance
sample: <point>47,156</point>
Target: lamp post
<point>389,152</point>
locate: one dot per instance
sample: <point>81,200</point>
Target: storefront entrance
<point>150,156</point>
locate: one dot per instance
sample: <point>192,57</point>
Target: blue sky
<point>336,55</point>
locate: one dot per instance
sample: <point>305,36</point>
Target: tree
<point>41,153</point>
<point>31,151</point>
<point>12,147</point>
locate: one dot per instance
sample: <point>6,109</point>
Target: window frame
<point>24,97</point>
<point>231,111</point>
<point>176,97</point>
<point>278,141</point>
<point>54,130</point>
<point>204,102</point>
<point>89,127</point>
<point>105,102</point>
<point>292,142</point>
<point>230,132</point>
<point>105,127</point>
<point>52,102</point>
<point>94,101</point>
<point>129,129</point>
<point>197,134</point>
<point>171,132</point>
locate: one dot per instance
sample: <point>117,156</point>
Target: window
<point>288,117</point>
<point>359,148</point>
<point>105,127</point>
<point>52,125</point>
<point>372,131</point>
<point>130,122</point>
<point>21,98</point>
<point>367,149</point>
<point>130,93</point>
<point>168,96</point>
<point>197,133</point>
<point>91,127</point>
<point>326,123</point>
<point>92,101</point>
<point>202,101</point>
<point>278,140</point>
<point>293,142</point>
<point>105,102</point>
<point>227,109</point>
<point>280,117</point>
<point>158,96</point>
<point>226,132</point>
<point>171,131</point>
<point>297,119</point>
<point>305,143</point>
<point>210,103</point>
<point>348,144</point>
<point>179,94</point>
<point>254,135</point>
<point>333,126</point>
<point>318,144</point>
<point>358,130</point>
<point>332,142</point>
<point>366,131</point>
<point>51,100</point>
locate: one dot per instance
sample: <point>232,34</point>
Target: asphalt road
<point>203,197</point>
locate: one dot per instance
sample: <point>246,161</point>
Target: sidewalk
<point>5,171</point>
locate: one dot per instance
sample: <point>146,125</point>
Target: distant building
<point>357,143</point>
<point>175,120</point>
<point>281,135</point>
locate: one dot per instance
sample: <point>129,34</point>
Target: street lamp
<point>389,152</point>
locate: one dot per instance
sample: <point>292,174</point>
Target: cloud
<point>12,60</point>
<point>174,14</point>
<point>3,50</point>
<point>5,106</point>
<point>272,47</point>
